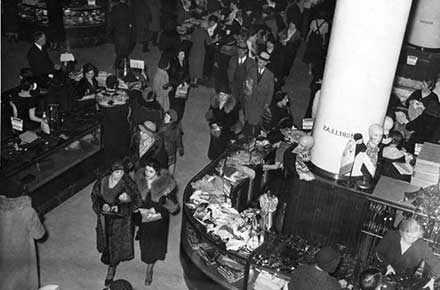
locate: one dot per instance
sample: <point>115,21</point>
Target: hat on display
<point>264,56</point>
<point>148,127</point>
<point>328,259</point>
<point>173,115</point>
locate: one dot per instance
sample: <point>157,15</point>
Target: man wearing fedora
<point>260,97</point>
<point>239,68</point>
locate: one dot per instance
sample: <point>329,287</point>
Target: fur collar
<point>229,105</point>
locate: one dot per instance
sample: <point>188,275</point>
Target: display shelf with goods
<point>52,167</point>
<point>219,230</point>
<point>271,265</point>
<point>84,24</point>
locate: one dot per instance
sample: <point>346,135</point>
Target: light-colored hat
<point>148,127</point>
<point>264,56</point>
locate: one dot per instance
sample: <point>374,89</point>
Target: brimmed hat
<point>328,259</point>
<point>164,184</point>
<point>223,88</point>
<point>173,115</point>
<point>148,94</point>
<point>264,56</point>
<point>148,127</point>
<point>241,45</point>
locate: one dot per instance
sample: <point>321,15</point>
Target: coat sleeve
<point>383,246</point>
<point>431,260</point>
<point>270,89</point>
<point>36,228</point>
<point>96,196</point>
<point>133,192</point>
<point>231,69</point>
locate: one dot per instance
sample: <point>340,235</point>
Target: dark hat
<point>148,127</point>
<point>264,55</point>
<point>279,96</point>
<point>148,94</point>
<point>163,185</point>
<point>328,259</point>
<point>223,88</point>
<point>241,45</point>
<point>117,165</point>
<point>173,115</point>
<point>357,136</point>
<point>111,81</point>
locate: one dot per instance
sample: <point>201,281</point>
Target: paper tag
<point>411,60</point>
<point>91,2</point>
<point>64,57</point>
<point>17,124</point>
<point>137,64</point>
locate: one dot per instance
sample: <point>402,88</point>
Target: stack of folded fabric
<point>267,281</point>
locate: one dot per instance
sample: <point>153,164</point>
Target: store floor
<point>69,257</point>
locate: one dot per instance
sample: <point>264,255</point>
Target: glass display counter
<point>84,25</point>
<point>53,167</point>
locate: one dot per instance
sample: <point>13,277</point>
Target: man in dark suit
<point>260,97</point>
<point>239,68</point>
<point>38,58</point>
<point>121,29</point>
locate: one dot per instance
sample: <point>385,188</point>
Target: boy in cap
<point>316,277</point>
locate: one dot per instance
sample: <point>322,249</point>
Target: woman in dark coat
<point>179,80</point>
<point>115,196</point>
<point>156,191</point>
<point>222,117</point>
<point>147,144</point>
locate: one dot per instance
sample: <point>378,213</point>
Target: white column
<point>364,48</point>
<point>424,24</point>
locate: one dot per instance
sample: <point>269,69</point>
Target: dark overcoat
<point>114,235</point>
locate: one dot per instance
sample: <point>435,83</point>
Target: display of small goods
<point>211,205</point>
<point>78,13</point>
<point>280,255</point>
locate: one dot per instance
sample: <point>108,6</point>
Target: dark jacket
<point>227,119</point>
<point>83,87</point>
<point>114,235</point>
<point>261,97</point>
<point>237,74</point>
<point>121,28</point>
<point>277,59</point>
<point>273,117</point>
<point>39,61</point>
<point>156,151</point>
<point>389,251</point>
<point>307,277</point>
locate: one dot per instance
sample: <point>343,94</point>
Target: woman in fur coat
<point>223,119</point>
<point>158,195</point>
<point>115,197</point>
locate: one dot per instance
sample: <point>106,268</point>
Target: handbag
<point>182,91</point>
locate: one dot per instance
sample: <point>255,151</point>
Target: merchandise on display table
<point>219,233</point>
<point>279,256</point>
